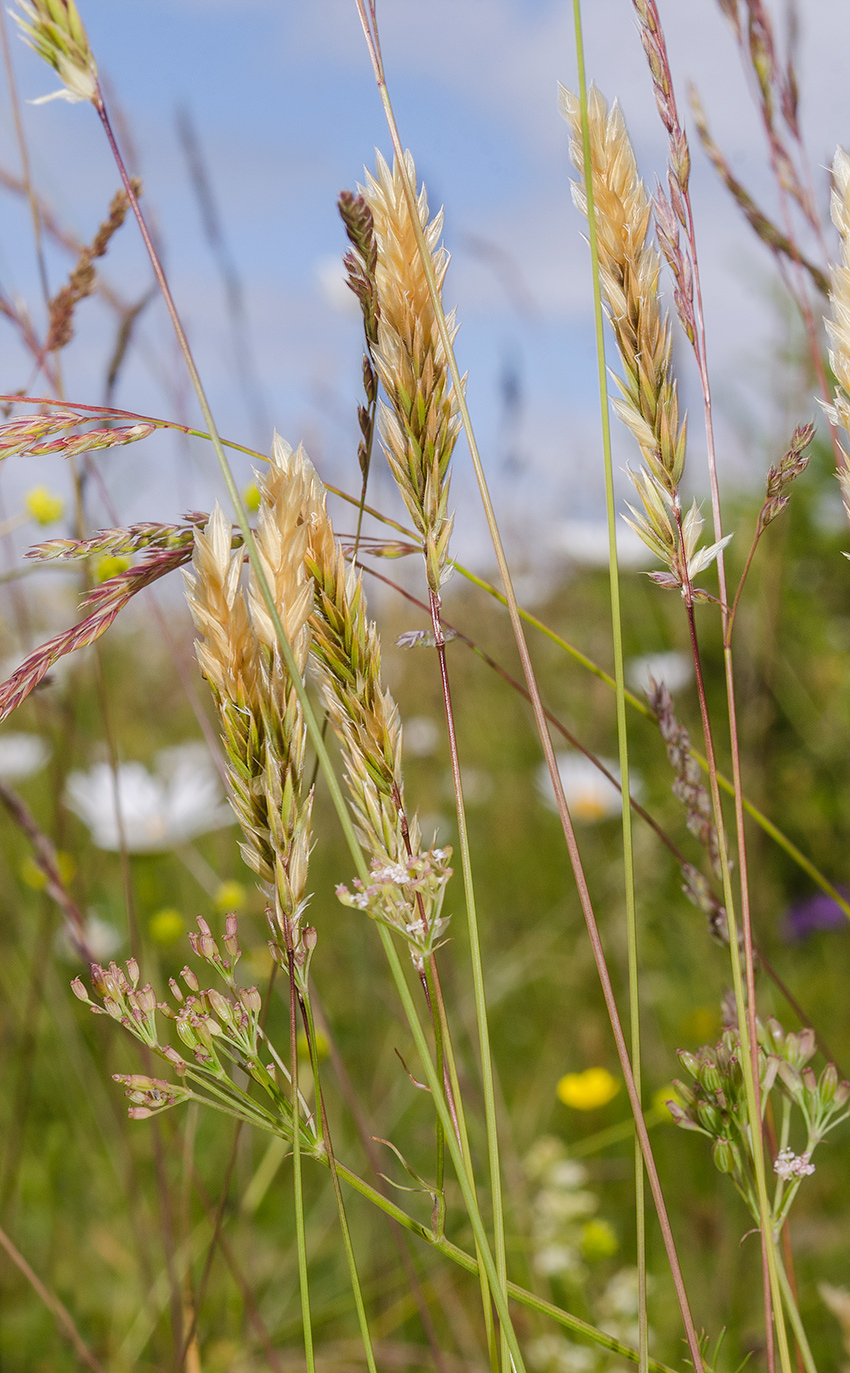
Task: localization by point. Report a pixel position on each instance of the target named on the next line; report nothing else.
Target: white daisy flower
(158, 811)
(589, 793)
(674, 669)
(21, 755)
(586, 542)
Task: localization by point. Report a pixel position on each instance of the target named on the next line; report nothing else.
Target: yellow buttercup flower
(110, 566)
(598, 1240)
(34, 877)
(43, 505)
(166, 926)
(321, 1045)
(660, 1099)
(251, 498)
(588, 1090)
(231, 896)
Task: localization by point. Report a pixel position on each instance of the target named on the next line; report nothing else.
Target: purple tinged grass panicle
(688, 785)
(28, 435)
(629, 267)
(103, 604)
(782, 474)
(121, 542)
(420, 425)
(361, 263)
(770, 234)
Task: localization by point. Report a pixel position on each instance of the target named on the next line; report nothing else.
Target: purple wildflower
(818, 912)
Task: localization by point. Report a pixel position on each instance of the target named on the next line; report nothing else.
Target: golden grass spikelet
(838, 326)
(346, 653)
(629, 267)
(420, 425)
(228, 652)
(288, 493)
(263, 727)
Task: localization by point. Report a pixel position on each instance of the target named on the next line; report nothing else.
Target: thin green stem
(363, 1320)
(770, 829)
(619, 679)
(297, 1181)
(459, 1162)
(454, 1100)
(764, 823)
(795, 1319)
(313, 728)
(748, 1048)
(484, 1048)
(370, 32)
(529, 1300)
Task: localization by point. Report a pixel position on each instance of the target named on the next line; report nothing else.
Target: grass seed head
(420, 425)
(262, 723)
(629, 267)
(54, 29)
(838, 324)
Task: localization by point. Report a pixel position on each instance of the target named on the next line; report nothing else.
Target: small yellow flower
(251, 498)
(32, 874)
(231, 896)
(321, 1045)
(43, 506)
(598, 1240)
(661, 1097)
(110, 566)
(166, 926)
(702, 1024)
(258, 963)
(588, 1090)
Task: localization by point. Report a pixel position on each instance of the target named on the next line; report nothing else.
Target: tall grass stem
(619, 677)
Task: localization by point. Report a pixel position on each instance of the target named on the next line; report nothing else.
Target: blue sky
(286, 113)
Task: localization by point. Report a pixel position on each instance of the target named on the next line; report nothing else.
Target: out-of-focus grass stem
(619, 677)
(477, 969)
(746, 1008)
(363, 1320)
(297, 1179)
(367, 20)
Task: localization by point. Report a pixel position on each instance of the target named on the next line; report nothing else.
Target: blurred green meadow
(102, 1206)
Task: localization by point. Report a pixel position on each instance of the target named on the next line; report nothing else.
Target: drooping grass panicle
(689, 789)
(783, 474)
(123, 542)
(54, 29)
(770, 234)
(103, 604)
(28, 435)
(420, 424)
(361, 264)
(838, 323)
